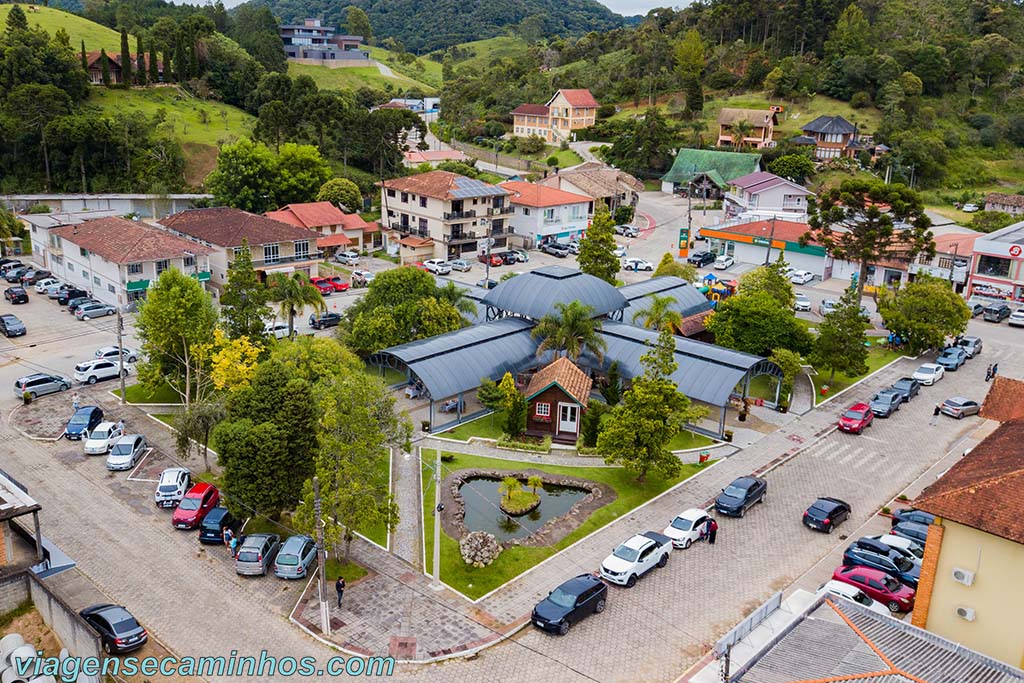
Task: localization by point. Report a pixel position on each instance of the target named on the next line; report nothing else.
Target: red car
(323, 284)
(856, 418)
(879, 586)
(199, 500)
(495, 259)
(339, 284)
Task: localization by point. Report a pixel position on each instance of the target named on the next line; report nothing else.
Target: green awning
(137, 285)
(202, 276)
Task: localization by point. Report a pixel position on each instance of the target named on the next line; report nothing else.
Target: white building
(115, 259)
(764, 192)
(144, 205)
(454, 212)
(542, 214)
(39, 225)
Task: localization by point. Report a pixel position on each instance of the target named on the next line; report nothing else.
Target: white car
(723, 262)
(174, 483)
(969, 208)
(277, 330)
(894, 541)
(349, 258)
(787, 271)
(801, 277)
(365, 274)
(929, 373)
(573, 247)
(92, 371)
(1016, 318)
(620, 252)
(635, 557)
(802, 303)
(687, 527)
(848, 592)
(438, 266)
(112, 352)
(637, 264)
(103, 436)
(127, 452)
(46, 283)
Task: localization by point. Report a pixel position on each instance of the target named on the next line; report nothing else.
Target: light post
(438, 509)
(485, 223)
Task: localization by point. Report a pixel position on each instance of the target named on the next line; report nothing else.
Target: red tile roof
(985, 489)
(120, 240)
(227, 227)
(443, 185)
(1004, 199)
(1005, 400)
(417, 157)
(565, 374)
(531, 110)
(579, 97)
(372, 226)
(530, 194)
(412, 241)
(311, 215)
(337, 240)
(786, 231)
(960, 242)
(695, 323)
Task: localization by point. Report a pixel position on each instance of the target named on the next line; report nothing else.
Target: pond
(481, 496)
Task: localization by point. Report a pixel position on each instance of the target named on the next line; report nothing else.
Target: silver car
(127, 452)
(256, 554)
(39, 384)
(295, 558)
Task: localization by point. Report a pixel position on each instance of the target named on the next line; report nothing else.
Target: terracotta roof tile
(531, 194)
(1005, 199)
(695, 323)
(579, 97)
(985, 489)
(443, 185)
(1005, 400)
(565, 374)
(414, 242)
(786, 231)
(372, 226)
(337, 240)
(227, 227)
(120, 240)
(531, 110)
(311, 215)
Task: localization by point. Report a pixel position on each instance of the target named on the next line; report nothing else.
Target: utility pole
(771, 238)
(438, 508)
(321, 559)
(120, 351)
(487, 263)
(952, 264)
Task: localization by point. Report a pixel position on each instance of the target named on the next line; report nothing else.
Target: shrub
(552, 161)
(515, 445)
(534, 144)
(886, 510)
(902, 497)
(624, 215)
(979, 121)
(721, 80)
(39, 208)
(447, 457)
(606, 111)
(989, 136)
(860, 100)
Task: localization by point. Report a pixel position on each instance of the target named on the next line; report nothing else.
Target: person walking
(995, 370)
(935, 414)
(228, 537)
(120, 426)
(74, 401)
(234, 545)
(339, 586)
(988, 372)
(712, 531)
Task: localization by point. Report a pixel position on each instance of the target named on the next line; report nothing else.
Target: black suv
(868, 552)
(701, 258)
(319, 321)
(66, 295)
(211, 530)
(16, 295)
(912, 515)
(735, 499)
(825, 514)
(73, 304)
(575, 599)
(907, 386)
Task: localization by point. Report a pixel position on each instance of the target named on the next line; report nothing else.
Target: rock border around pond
(553, 531)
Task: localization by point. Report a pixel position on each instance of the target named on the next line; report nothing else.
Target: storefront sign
(684, 241)
(761, 241)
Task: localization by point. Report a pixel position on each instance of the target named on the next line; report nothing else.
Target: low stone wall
(554, 530)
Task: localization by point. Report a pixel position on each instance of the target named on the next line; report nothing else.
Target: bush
(447, 457)
(903, 497)
(494, 129)
(512, 444)
(721, 80)
(624, 215)
(39, 208)
(552, 161)
(860, 100)
(989, 136)
(979, 121)
(534, 144)
(606, 111)
(564, 146)
(886, 510)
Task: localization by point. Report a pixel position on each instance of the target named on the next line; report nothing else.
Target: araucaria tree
(868, 221)
(597, 248)
(244, 302)
(840, 344)
(924, 313)
(651, 413)
(570, 331)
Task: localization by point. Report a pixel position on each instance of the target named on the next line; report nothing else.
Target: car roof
(105, 425)
(840, 587)
(257, 539)
(199, 489)
(579, 583)
(960, 400)
(294, 543)
(108, 610)
(905, 379)
(86, 409)
(913, 526)
(929, 366)
(826, 503)
(861, 406)
(128, 438)
(869, 572)
(636, 542)
(171, 472)
(693, 513)
(9, 316)
(743, 481)
(37, 375)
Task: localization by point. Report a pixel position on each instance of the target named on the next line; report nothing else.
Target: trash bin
(703, 457)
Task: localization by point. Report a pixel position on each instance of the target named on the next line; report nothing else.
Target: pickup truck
(635, 557)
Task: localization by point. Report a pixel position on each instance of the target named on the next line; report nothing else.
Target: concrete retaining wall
(13, 591)
(72, 630)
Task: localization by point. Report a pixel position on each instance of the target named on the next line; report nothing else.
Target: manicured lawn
(763, 386)
(166, 418)
(96, 36)
(475, 582)
(350, 78)
(378, 533)
(686, 440)
(350, 570)
(390, 377)
(566, 157)
(486, 427)
(877, 357)
(136, 393)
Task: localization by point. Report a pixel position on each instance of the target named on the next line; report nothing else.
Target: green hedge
(506, 442)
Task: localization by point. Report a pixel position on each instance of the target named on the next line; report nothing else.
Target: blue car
(952, 358)
(867, 552)
(83, 421)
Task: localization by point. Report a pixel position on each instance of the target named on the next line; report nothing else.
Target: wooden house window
(543, 410)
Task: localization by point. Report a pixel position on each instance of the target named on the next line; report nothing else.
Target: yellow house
(566, 111)
(970, 587)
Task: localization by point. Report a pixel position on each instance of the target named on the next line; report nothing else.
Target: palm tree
(741, 130)
(659, 314)
(293, 293)
(510, 486)
(572, 330)
(456, 296)
(535, 482)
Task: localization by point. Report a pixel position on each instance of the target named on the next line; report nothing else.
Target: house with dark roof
(451, 210)
(831, 136)
(969, 590)
(94, 66)
(768, 194)
(566, 111)
(557, 396)
(275, 246)
(1012, 204)
(311, 40)
(116, 259)
(706, 172)
(760, 124)
(338, 230)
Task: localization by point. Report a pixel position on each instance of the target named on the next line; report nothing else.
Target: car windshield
(682, 524)
(891, 584)
(853, 414)
(626, 553)
(189, 504)
(562, 598)
(902, 384)
(734, 491)
(859, 596)
(79, 419)
(903, 564)
(121, 449)
(287, 560)
(925, 370)
(917, 551)
(100, 434)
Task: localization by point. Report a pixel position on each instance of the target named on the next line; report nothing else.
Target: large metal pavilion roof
(533, 295)
(688, 300)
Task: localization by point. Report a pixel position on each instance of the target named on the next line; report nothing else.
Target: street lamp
(438, 508)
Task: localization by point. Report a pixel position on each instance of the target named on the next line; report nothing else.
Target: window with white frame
(542, 410)
(238, 251)
(189, 261)
(135, 269)
(271, 254)
(302, 249)
(549, 214)
(161, 266)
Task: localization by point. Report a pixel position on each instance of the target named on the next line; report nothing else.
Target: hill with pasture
(96, 37)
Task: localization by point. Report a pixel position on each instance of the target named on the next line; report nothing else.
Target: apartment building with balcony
(759, 125)
(768, 194)
(276, 247)
(568, 110)
(456, 213)
(544, 214)
(116, 259)
(312, 40)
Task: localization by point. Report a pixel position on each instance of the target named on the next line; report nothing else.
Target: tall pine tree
(244, 302)
(154, 72)
(85, 59)
(104, 67)
(126, 61)
(180, 61)
(140, 62)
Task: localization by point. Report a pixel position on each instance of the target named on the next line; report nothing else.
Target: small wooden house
(557, 396)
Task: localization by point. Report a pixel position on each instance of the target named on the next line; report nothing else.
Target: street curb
(861, 380)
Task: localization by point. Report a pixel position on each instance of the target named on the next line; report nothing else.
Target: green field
(474, 582)
(566, 157)
(489, 50)
(136, 393)
(878, 356)
(96, 37)
(424, 70)
(356, 77)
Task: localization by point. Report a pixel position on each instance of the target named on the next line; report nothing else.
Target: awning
(138, 285)
(202, 275)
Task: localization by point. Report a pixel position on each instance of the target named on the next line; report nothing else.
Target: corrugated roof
(534, 294)
(729, 165)
(688, 301)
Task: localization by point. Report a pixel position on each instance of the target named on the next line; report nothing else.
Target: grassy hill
(424, 70)
(96, 37)
(199, 125)
(486, 51)
(355, 77)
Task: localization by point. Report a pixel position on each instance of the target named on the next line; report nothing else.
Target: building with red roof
(337, 228)
(566, 111)
(542, 214)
